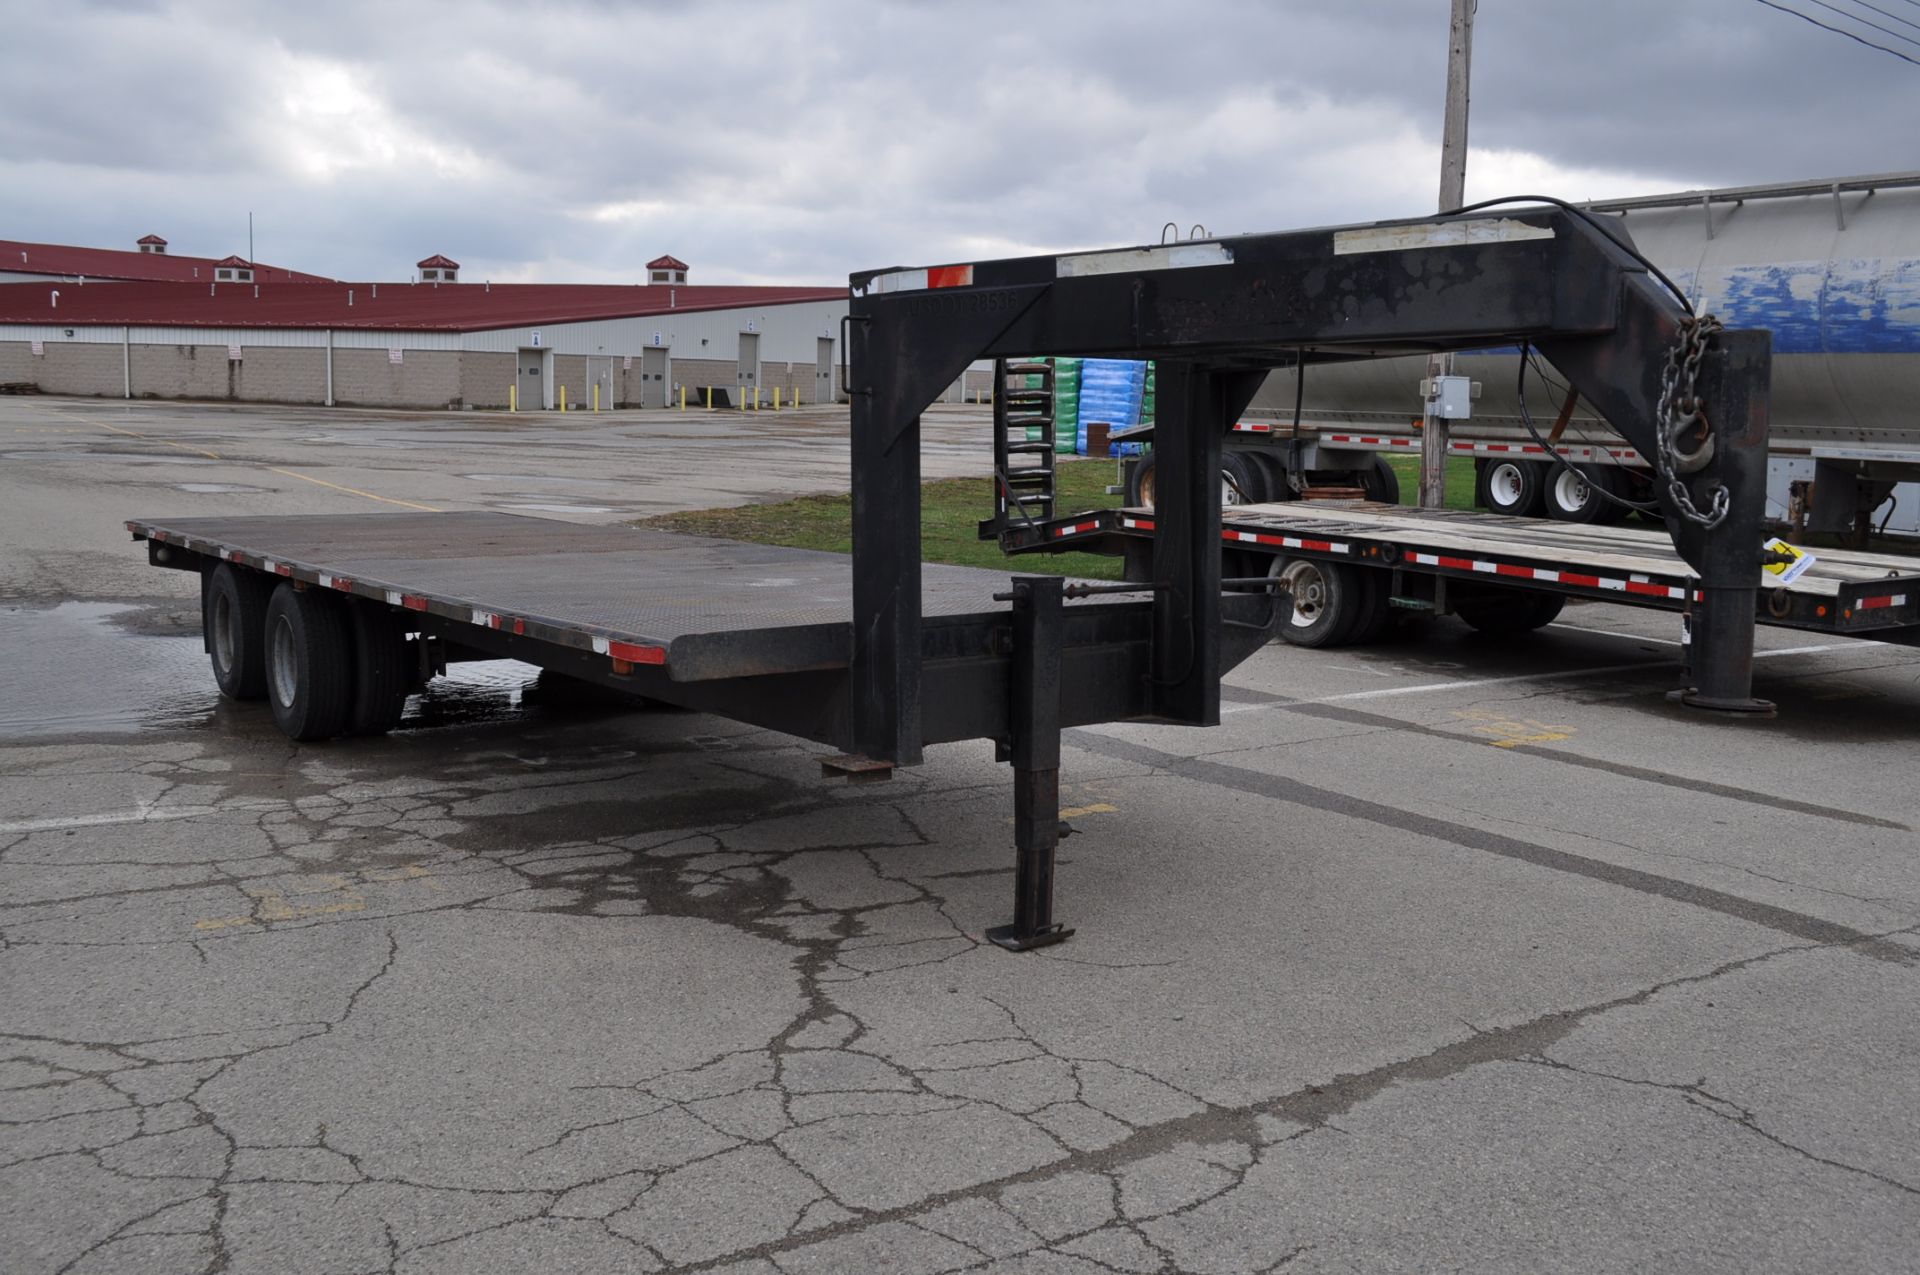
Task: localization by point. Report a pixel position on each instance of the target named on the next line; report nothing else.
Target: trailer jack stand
(1035, 688)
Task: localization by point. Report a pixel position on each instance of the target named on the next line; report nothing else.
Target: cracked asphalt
(1447, 954)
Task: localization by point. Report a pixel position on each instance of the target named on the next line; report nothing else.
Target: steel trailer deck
(1870, 595)
(878, 655)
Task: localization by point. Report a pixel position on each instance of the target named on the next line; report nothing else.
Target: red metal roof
(404, 307)
(666, 263)
(153, 239)
(439, 262)
(114, 263)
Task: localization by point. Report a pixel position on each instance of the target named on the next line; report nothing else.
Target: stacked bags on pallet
(1066, 405)
(1112, 391)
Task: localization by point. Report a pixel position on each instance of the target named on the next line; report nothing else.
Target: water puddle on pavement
(71, 671)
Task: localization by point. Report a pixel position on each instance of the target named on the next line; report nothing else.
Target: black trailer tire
(1516, 488)
(1328, 599)
(1380, 482)
(1580, 494)
(1522, 612)
(1376, 610)
(1140, 484)
(233, 615)
(1242, 481)
(384, 670)
(1274, 470)
(309, 659)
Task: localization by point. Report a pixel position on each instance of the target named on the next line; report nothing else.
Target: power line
(1866, 23)
(1837, 31)
(1883, 13)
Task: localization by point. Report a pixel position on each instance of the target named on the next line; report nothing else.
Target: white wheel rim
(1309, 588)
(1504, 484)
(1570, 492)
(1229, 494)
(280, 662)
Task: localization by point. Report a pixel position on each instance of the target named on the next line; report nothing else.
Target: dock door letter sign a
(536, 339)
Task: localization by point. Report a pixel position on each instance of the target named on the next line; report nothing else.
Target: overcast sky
(795, 142)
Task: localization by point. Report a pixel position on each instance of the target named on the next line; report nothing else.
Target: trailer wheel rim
(1146, 486)
(280, 662)
(1506, 485)
(1309, 588)
(221, 624)
(1230, 493)
(1570, 492)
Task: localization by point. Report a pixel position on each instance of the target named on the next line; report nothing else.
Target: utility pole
(1453, 181)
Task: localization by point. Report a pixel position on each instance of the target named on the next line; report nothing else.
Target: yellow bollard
(596, 396)
(683, 398)
(709, 398)
(563, 398)
(776, 398)
(513, 398)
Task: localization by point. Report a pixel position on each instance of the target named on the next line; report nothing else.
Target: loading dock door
(747, 372)
(823, 371)
(531, 379)
(653, 377)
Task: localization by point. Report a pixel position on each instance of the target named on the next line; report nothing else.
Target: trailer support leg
(1722, 655)
(1035, 688)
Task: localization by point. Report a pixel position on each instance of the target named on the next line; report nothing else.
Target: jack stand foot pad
(856, 769)
(1009, 937)
(1753, 708)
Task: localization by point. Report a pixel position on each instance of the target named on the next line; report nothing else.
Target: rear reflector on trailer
(919, 280)
(629, 652)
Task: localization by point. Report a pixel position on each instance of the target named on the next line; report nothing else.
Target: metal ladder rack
(1023, 474)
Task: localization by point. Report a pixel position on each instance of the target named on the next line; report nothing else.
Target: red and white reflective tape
(1074, 529)
(1883, 601)
(1285, 542)
(276, 568)
(1373, 440)
(1639, 585)
(920, 280)
(1251, 427)
(1137, 524)
(630, 652)
(504, 623)
(336, 582)
(411, 601)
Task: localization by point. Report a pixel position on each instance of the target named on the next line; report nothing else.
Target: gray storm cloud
(795, 142)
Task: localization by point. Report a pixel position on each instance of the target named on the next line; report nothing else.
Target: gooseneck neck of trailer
(1217, 315)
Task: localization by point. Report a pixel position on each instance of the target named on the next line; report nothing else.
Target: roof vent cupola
(439, 269)
(152, 243)
(235, 269)
(666, 270)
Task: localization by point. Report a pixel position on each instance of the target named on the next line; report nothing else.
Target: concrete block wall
(367, 378)
(570, 370)
(277, 374)
(184, 371)
(695, 373)
(485, 377)
(67, 367)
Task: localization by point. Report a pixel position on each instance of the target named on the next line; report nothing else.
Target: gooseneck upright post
(1038, 617)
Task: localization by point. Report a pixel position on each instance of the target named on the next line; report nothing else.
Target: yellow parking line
(305, 478)
(321, 482)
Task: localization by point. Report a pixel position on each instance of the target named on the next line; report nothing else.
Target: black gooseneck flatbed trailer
(331, 619)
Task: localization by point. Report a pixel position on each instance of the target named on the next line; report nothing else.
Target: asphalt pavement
(1444, 954)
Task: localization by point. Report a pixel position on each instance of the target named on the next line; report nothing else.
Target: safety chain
(1681, 413)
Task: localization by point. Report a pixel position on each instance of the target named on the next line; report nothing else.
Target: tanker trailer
(1832, 267)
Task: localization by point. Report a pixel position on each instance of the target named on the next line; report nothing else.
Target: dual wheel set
(325, 663)
(1347, 604)
(1252, 477)
(1574, 493)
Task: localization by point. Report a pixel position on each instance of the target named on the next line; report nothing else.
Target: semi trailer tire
(1328, 601)
(1140, 484)
(1516, 488)
(1522, 612)
(383, 670)
(1380, 482)
(1242, 480)
(309, 659)
(1274, 470)
(1579, 494)
(233, 614)
(1376, 608)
